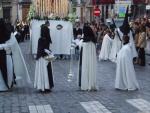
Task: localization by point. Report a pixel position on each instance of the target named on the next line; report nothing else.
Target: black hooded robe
(43, 43)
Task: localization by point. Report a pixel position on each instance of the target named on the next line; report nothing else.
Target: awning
(98, 2)
(139, 1)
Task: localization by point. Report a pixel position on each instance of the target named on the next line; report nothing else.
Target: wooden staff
(51, 6)
(48, 7)
(39, 7)
(36, 5)
(54, 7)
(59, 9)
(43, 7)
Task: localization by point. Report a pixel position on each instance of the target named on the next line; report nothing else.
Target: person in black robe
(3, 64)
(43, 44)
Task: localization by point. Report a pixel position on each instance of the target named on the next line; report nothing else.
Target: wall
(14, 11)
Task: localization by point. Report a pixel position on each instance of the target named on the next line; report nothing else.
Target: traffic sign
(97, 12)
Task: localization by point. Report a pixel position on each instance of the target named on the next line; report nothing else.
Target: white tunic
(125, 73)
(106, 47)
(88, 73)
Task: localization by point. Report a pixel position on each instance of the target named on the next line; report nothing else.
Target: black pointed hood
(125, 28)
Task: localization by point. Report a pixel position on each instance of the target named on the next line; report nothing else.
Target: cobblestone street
(67, 98)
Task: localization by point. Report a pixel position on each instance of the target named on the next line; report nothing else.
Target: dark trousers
(3, 66)
(50, 75)
(142, 56)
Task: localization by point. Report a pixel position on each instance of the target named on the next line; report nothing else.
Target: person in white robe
(125, 73)
(106, 47)
(16, 70)
(116, 45)
(117, 42)
(87, 62)
(43, 70)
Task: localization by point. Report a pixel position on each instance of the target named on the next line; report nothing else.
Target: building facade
(23, 9)
(110, 8)
(8, 10)
(85, 9)
(13, 10)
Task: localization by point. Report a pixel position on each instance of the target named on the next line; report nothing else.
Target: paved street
(67, 98)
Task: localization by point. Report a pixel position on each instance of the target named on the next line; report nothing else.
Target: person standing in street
(43, 70)
(87, 63)
(13, 69)
(125, 73)
(142, 45)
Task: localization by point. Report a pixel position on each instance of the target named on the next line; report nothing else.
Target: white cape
(20, 69)
(88, 68)
(117, 45)
(125, 73)
(106, 47)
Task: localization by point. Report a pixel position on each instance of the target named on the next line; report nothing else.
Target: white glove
(3, 46)
(79, 36)
(47, 51)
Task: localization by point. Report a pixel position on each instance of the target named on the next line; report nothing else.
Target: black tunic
(4, 36)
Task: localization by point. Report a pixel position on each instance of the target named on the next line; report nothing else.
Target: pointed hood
(125, 28)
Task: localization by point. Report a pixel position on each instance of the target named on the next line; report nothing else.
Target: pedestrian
(106, 46)
(142, 45)
(125, 73)
(43, 70)
(136, 28)
(13, 69)
(87, 63)
(77, 32)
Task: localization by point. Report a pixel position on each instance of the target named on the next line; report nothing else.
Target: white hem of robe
(125, 73)
(88, 73)
(106, 47)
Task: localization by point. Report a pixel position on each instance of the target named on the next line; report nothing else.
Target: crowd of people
(22, 31)
(125, 45)
(106, 41)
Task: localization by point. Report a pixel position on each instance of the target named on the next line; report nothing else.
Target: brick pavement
(66, 96)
